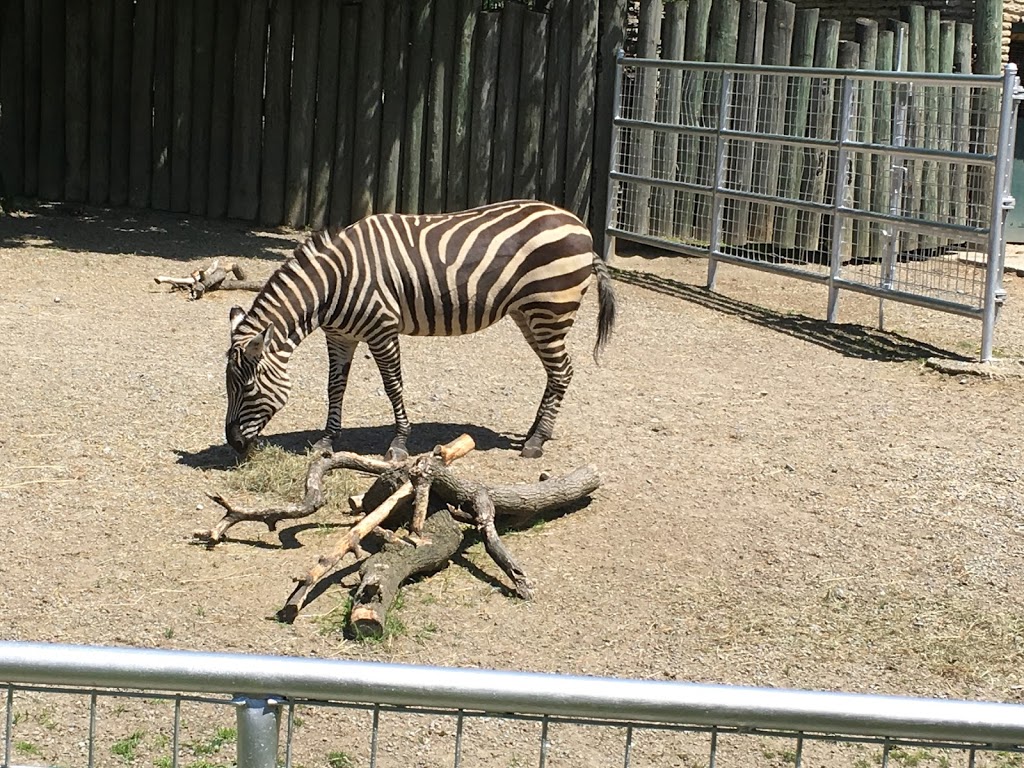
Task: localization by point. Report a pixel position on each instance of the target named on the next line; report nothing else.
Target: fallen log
(229, 277)
(422, 494)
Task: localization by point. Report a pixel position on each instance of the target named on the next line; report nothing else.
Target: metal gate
(885, 183)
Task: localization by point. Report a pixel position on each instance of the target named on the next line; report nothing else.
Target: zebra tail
(605, 304)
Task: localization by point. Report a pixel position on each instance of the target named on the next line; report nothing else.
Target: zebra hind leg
(387, 355)
(546, 337)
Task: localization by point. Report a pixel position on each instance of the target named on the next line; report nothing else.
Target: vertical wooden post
(101, 48)
(344, 128)
(881, 166)
(33, 94)
(780, 17)
(439, 106)
(693, 160)
(867, 39)
(396, 44)
(798, 95)
(221, 110)
(583, 66)
(276, 109)
(914, 16)
(76, 102)
(509, 59)
(326, 112)
(961, 126)
(302, 112)
(420, 34)
(988, 36)
(181, 147)
(461, 107)
(649, 34)
(526, 173)
(163, 105)
(247, 128)
(204, 18)
(141, 168)
(819, 126)
(947, 33)
(673, 48)
(485, 89)
(556, 98)
(12, 96)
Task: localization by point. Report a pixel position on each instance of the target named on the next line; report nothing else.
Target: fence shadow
(88, 229)
(845, 338)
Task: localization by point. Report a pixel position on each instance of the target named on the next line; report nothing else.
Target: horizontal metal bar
(903, 297)
(930, 78)
(801, 142)
(501, 691)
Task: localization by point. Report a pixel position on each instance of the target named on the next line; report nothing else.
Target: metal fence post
(717, 203)
(839, 192)
(259, 721)
(1001, 202)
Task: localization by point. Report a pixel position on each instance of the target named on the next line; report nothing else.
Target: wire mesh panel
(883, 183)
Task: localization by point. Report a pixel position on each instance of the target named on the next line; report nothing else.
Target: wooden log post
(31, 72)
(867, 38)
(914, 17)
(76, 102)
(325, 130)
(556, 100)
(673, 48)
(485, 90)
(526, 173)
(780, 18)
(848, 58)
(582, 94)
(503, 142)
(642, 150)
(961, 123)
(947, 34)
(12, 97)
(798, 96)
(163, 105)
(141, 159)
(277, 103)
(247, 128)
(881, 166)
(202, 106)
(723, 35)
(101, 49)
(181, 146)
(344, 126)
(439, 95)
(457, 192)
(302, 110)
(988, 36)
(368, 113)
(420, 35)
(819, 126)
(396, 44)
(218, 173)
(930, 132)
(746, 88)
(692, 163)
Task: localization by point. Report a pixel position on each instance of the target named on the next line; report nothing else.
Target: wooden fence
(302, 112)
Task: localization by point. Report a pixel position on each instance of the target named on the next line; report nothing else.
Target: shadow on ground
(87, 229)
(364, 440)
(847, 339)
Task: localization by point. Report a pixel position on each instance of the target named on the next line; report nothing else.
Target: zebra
(420, 275)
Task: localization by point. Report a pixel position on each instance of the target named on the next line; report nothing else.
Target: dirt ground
(785, 503)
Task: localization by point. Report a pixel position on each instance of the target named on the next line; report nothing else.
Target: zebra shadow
(372, 441)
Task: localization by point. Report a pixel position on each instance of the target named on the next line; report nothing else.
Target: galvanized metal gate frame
(263, 688)
(991, 233)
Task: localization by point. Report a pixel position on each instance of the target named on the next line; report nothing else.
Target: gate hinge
(1000, 295)
(1009, 203)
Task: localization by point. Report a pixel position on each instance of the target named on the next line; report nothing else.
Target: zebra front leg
(340, 351)
(389, 360)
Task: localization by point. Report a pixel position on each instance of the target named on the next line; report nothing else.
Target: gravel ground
(785, 503)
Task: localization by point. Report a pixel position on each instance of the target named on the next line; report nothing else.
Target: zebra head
(257, 383)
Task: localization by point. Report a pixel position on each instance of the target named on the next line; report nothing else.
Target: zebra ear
(258, 344)
(236, 316)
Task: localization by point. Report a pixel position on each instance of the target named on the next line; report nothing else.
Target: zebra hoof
(532, 451)
(396, 454)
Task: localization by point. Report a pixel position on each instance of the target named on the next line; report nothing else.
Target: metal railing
(528, 717)
(890, 184)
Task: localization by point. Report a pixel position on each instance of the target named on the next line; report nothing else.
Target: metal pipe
(1000, 195)
(259, 722)
(500, 691)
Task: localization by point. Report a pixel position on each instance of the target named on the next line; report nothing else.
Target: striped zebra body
(439, 275)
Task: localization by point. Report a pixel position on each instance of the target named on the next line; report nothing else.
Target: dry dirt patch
(786, 503)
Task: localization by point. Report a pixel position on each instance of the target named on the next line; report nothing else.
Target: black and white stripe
(439, 275)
